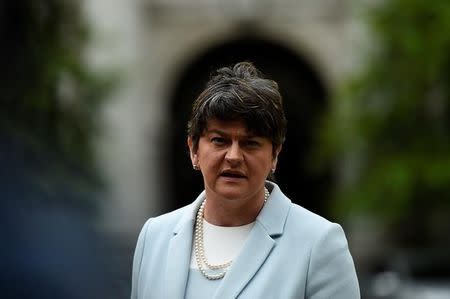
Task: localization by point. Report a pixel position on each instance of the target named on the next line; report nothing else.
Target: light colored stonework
(151, 42)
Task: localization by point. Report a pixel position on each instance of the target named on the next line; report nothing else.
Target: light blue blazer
(289, 253)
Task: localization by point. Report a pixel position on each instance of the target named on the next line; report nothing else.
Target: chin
(230, 194)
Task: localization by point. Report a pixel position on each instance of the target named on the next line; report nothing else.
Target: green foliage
(49, 96)
(391, 124)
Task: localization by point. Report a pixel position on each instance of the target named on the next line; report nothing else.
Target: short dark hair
(240, 92)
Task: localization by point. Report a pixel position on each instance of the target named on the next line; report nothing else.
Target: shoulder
(297, 219)
(302, 218)
(157, 231)
(165, 222)
(314, 230)
(302, 225)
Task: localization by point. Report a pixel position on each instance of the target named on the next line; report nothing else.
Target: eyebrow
(215, 131)
(222, 133)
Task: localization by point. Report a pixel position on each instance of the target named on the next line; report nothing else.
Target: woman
(242, 237)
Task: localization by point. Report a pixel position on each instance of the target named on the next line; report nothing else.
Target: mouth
(233, 174)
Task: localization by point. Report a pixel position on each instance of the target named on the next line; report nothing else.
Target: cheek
(210, 160)
(262, 165)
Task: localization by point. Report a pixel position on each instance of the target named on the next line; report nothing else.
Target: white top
(222, 243)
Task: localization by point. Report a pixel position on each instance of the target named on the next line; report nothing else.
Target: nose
(234, 154)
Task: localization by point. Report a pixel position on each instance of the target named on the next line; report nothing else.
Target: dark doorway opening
(305, 100)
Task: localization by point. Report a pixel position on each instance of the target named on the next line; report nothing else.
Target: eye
(252, 143)
(218, 140)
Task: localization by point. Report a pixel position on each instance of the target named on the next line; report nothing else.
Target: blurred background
(95, 96)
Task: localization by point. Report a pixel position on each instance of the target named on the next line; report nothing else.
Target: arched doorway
(305, 100)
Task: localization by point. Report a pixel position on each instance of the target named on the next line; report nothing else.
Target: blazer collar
(274, 213)
(189, 214)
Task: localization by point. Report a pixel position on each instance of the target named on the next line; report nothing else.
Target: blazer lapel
(258, 246)
(179, 253)
(255, 252)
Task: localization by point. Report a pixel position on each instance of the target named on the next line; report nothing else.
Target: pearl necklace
(210, 271)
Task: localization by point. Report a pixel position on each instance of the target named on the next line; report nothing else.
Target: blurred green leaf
(395, 115)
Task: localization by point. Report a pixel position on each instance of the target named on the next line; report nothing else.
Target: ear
(275, 158)
(193, 155)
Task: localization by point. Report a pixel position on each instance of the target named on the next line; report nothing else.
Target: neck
(226, 212)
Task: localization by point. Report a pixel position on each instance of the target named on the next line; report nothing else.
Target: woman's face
(234, 163)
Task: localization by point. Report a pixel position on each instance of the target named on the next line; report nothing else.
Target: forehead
(233, 127)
